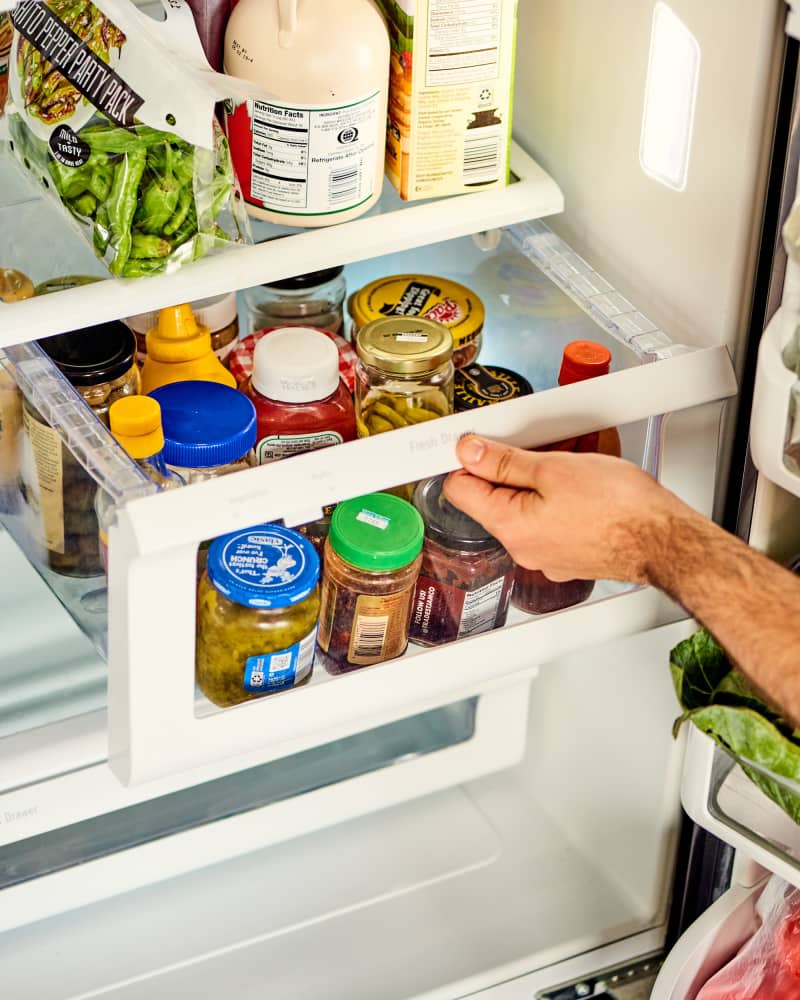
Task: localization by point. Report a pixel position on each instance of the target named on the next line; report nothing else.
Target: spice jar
(257, 612)
(99, 362)
(404, 375)
(372, 558)
(219, 314)
(454, 305)
(313, 299)
(209, 429)
(301, 401)
(466, 577)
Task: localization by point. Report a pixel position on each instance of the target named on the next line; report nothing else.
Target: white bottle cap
(295, 364)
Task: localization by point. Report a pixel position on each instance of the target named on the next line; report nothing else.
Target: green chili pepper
(70, 181)
(183, 166)
(99, 182)
(85, 204)
(144, 246)
(109, 139)
(142, 268)
(160, 199)
(100, 235)
(188, 229)
(122, 204)
(185, 201)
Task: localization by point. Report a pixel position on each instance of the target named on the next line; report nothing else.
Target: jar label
(442, 612)
(282, 669)
(277, 446)
(363, 628)
(42, 473)
(272, 148)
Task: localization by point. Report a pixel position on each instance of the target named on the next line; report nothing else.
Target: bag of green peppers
(113, 113)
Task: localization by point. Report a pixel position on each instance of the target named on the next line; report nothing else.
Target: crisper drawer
(539, 295)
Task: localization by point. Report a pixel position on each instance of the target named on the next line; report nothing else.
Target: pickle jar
(99, 362)
(404, 375)
(257, 613)
(372, 559)
(466, 578)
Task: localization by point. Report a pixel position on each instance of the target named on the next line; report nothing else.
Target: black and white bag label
(67, 147)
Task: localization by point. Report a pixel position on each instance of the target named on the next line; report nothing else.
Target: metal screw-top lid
(448, 525)
(93, 355)
(405, 345)
(302, 282)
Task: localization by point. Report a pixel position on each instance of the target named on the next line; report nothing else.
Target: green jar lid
(378, 532)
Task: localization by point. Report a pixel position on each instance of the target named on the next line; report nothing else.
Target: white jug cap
(295, 364)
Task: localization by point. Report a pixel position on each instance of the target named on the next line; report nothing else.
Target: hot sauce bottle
(533, 591)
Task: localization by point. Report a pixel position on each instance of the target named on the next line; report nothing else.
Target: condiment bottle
(533, 591)
(257, 612)
(301, 401)
(372, 559)
(314, 299)
(449, 303)
(179, 349)
(209, 429)
(219, 313)
(313, 153)
(100, 364)
(136, 424)
(466, 577)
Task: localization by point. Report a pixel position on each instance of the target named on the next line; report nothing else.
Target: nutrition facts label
(463, 41)
(480, 608)
(314, 161)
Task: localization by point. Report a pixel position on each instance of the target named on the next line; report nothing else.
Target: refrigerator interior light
(669, 101)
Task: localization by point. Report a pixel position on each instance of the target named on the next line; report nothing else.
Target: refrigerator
(506, 817)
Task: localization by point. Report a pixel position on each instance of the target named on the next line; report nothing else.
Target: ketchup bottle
(533, 591)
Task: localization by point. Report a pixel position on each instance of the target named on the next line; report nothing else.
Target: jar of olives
(257, 613)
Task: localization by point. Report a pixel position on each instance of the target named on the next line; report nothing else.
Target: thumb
(498, 463)
(489, 505)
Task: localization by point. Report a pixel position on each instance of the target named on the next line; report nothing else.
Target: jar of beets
(372, 559)
(466, 577)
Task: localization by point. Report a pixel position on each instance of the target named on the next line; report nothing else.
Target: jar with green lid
(404, 375)
(372, 560)
(257, 613)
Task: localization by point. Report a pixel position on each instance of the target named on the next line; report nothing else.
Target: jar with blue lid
(209, 429)
(257, 614)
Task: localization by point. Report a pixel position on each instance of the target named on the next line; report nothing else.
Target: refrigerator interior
(563, 854)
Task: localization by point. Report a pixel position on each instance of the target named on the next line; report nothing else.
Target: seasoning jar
(455, 306)
(240, 362)
(372, 559)
(301, 401)
(99, 362)
(257, 612)
(313, 299)
(219, 314)
(466, 577)
(481, 385)
(404, 375)
(209, 429)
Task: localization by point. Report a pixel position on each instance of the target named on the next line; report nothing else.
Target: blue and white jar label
(281, 669)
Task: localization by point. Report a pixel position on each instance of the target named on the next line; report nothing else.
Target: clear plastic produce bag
(113, 113)
(767, 967)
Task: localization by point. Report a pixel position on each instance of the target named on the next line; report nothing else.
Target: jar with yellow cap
(427, 297)
(179, 349)
(136, 423)
(404, 375)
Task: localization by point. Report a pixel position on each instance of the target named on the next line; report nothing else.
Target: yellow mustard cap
(447, 302)
(177, 336)
(136, 423)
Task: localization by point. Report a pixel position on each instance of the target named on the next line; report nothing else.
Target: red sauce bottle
(300, 399)
(533, 591)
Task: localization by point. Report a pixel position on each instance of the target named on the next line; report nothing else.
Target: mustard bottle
(179, 349)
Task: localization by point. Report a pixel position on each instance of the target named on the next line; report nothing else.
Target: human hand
(587, 517)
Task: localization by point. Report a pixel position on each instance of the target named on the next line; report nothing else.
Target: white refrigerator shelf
(44, 245)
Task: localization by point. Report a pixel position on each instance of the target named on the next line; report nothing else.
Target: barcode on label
(343, 185)
(370, 634)
(481, 158)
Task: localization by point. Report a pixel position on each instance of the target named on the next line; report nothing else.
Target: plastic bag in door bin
(768, 965)
(113, 113)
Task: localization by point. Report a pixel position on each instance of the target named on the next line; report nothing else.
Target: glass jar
(455, 306)
(301, 401)
(372, 559)
(466, 577)
(313, 299)
(539, 595)
(257, 613)
(209, 429)
(99, 362)
(218, 313)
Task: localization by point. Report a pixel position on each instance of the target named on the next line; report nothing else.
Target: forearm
(749, 603)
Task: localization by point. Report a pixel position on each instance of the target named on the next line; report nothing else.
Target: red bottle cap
(583, 359)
